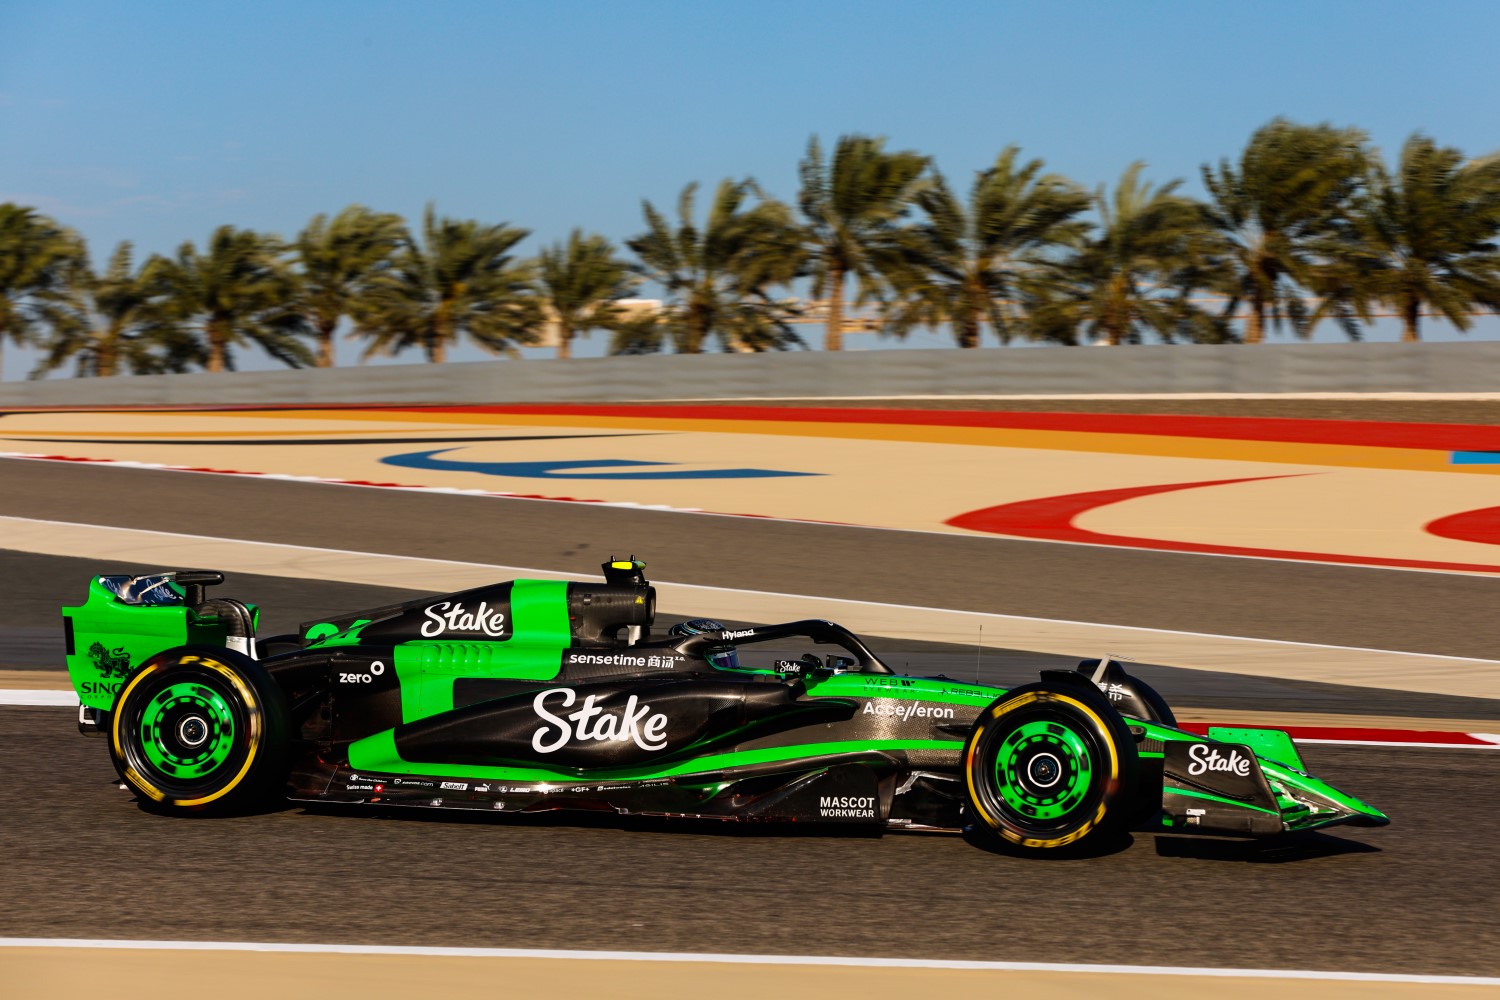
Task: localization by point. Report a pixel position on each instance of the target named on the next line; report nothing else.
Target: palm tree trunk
(833, 335)
(968, 329)
(104, 361)
(1411, 322)
(325, 344)
(215, 332)
(1255, 323)
(437, 350)
(564, 341)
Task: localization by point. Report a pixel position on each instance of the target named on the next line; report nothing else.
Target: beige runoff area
(66, 973)
(1364, 512)
(1373, 668)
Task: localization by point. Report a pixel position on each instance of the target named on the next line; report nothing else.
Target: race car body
(534, 695)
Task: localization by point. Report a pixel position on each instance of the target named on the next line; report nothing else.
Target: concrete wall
(1445, 367)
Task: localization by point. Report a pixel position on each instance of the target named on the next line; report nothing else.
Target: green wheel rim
(1043, 770)
(187, 730)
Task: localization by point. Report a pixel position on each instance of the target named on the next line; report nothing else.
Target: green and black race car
(536, 695)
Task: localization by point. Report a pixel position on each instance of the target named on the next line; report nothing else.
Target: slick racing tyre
(201, 729)
(1049, 765)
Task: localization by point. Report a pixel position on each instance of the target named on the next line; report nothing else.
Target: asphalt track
(1419, 897)
(1445, 613)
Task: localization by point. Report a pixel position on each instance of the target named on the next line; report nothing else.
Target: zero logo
(375, 670)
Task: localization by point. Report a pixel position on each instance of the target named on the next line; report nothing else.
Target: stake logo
(636, 722)
(1205, 758)
(451, 616)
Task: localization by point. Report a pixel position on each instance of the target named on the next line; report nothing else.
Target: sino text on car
(535, 695)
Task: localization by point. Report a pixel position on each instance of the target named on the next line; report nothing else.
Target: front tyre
(1049, 765)
(201, 728)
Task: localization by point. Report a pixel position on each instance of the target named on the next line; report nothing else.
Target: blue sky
(156, 122)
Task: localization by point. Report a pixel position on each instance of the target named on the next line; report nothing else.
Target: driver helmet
(724, 657)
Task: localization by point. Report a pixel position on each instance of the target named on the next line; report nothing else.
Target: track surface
(1386, 609)
(1418, 897)
(83, 861)
(33, 587)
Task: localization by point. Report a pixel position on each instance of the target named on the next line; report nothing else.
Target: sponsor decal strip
(722, 958)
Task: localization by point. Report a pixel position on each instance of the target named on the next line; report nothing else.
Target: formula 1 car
(535, 695)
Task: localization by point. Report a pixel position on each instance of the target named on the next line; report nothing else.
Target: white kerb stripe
(1389, 669)
(735, 959)
(21, 696)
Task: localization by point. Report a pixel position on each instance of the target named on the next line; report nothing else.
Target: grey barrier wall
(1264, 368)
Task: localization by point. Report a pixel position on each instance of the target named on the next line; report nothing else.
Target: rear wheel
(1049, 765)
(201, 729)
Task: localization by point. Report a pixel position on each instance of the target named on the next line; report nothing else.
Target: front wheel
(201, 728)
(1048, 765)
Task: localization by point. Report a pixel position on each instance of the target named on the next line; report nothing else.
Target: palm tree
(719, 277)
(40, 261)
(641, 333)
(238, 290)
(119, 326)
(340, 259)
(963, 262)
(1292, 184)
(461, 280)
(1423, 239)
(578, 282)
(1134, 275)
(854, 206)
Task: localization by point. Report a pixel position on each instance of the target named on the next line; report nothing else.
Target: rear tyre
(201, 729)
(1050, 765)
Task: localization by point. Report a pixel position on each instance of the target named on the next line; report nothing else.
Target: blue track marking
(558, 470)
(1475, 458)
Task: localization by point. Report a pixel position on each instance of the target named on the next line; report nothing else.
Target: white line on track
(1360, 667)
(547, 574)
(976, 536)
(742, 959)
(26, 698)
(1380, 396)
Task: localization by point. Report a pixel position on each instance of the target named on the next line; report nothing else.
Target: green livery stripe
(539, 611)
(911, 689)
(378, 753)
(428, 668)
(1193, 793)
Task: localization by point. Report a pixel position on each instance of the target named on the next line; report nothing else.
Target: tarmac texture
(1417, 897)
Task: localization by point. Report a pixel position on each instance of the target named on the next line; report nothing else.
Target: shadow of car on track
(1089, 849)
(593, 820)
(1286, 848)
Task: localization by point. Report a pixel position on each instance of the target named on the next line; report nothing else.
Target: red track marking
(1482, 526)
(1361, 735)
(1365, 433)
(1051, 519)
